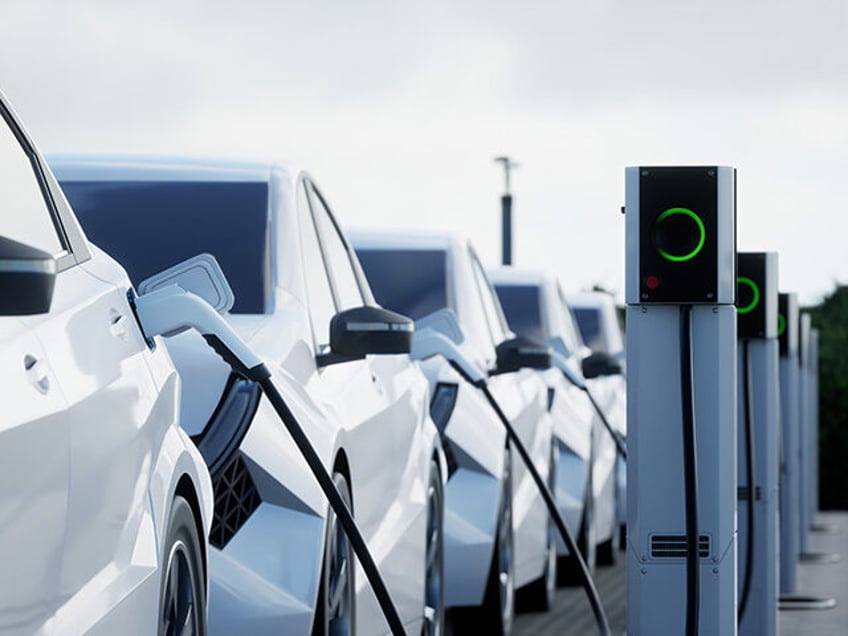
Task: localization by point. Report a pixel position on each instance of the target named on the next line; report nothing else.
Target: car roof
(508, 275)
(404, 239)
(594, 299)
(103, 167)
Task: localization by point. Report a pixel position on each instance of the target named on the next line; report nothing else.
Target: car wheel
(538, 595)
(335, 609)
(434, 596)
(182, 602)
(495, 616)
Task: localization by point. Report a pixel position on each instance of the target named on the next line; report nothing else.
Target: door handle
(36, 373)
(118, 326)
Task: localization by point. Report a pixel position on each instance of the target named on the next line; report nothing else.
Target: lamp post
(506, 211)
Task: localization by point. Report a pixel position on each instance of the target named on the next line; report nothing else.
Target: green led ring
(781, 324)
(701, 229)
(743, 280)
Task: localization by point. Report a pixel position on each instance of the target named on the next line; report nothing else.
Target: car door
(34, 426)
(115, 418)
(380, 426)
(96, 351)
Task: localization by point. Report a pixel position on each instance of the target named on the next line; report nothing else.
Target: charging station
(681, 400)
(805, 426)
(814, 426)
(758, 442)
(787, 329)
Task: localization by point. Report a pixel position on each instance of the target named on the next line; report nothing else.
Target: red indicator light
(652, 282)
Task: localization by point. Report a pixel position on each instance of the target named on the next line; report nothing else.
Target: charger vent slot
(673, 546)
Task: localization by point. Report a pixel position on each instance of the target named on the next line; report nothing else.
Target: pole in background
(506, 211)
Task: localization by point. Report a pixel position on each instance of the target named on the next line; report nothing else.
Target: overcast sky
(398, 108)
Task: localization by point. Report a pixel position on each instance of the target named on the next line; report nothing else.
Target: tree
(831, 319)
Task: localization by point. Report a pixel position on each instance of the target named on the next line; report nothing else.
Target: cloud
(398, 108)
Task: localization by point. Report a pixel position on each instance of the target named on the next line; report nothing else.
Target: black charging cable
(749, 475)
(262, 376)
(690, 470)
(547, 496)
(336, 502)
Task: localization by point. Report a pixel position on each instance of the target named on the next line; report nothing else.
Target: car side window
(320, 296)
(26, 216)
(348, 294)
(572, 331)
(490, 307)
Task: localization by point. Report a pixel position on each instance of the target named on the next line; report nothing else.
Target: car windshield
(521, 304)
(589, 321)
(150, 226)
(410, 282)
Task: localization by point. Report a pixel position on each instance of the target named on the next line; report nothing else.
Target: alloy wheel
(179, 612)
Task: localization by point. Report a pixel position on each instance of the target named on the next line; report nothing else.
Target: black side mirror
(520, 352)
(600, 363)
(27, 276)
(357, 332)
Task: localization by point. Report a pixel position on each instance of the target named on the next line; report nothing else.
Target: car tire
(335, 610)
(182, 592)
(606, 553)
(496, 614)
(434, 570)
(538, 595)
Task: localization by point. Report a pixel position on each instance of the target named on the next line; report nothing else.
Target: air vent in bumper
(236, 498)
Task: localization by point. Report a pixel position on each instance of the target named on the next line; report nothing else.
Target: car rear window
(410, 282)
(150, 226)
(521, 304)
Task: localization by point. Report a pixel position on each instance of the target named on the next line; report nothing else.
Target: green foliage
(831, 319)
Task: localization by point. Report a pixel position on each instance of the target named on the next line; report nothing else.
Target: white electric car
(279, 562)
(497, 532)
(597, 319)
(105, 504)
(534, 307)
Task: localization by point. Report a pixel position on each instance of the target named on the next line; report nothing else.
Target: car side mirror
(520, 353)
(27, 276)
(600, 363)
(361, 331)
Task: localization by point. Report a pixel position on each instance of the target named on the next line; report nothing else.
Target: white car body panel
(369, 414)
(477, 437)
(91, 453)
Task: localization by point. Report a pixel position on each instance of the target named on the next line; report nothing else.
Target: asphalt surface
(572, 614)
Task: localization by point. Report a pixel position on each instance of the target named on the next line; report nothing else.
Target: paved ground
(572, 615)
(829, 580)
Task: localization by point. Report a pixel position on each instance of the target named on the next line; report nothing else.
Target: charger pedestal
(656, 530)
(759, 357)
(790, 441)
(805, 429)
